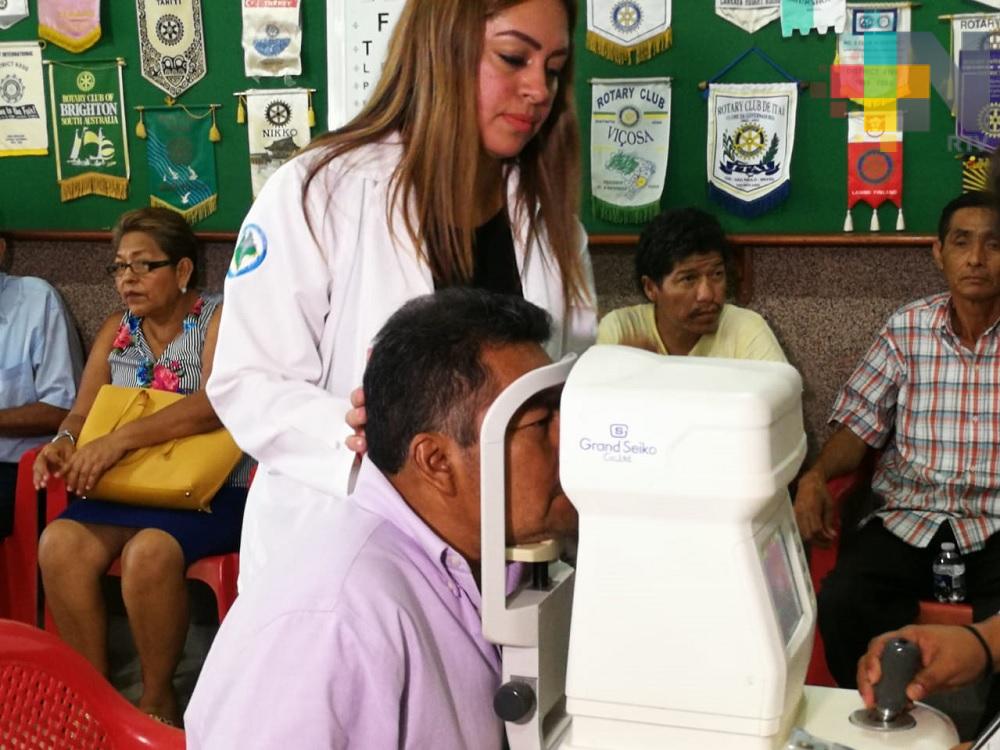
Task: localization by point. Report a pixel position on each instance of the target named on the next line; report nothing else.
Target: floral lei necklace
(165, 377)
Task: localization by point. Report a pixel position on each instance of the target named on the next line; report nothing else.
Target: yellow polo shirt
(742, 333)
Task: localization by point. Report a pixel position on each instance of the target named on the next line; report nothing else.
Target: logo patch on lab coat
(251, 249)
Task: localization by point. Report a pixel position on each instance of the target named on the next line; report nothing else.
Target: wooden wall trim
(863, 239)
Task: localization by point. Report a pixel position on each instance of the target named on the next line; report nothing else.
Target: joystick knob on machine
(900, 662)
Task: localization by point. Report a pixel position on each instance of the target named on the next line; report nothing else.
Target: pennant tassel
(623, 54)
(213, 133)
(140, 127)
(624, 214)
(754, 208)
(107, 185)
(900, 222)
(194, 214)
(312, 112)
(848, 222)
(875, 226)
(241, 113)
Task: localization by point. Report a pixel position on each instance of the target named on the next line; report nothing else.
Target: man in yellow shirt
(681, 264)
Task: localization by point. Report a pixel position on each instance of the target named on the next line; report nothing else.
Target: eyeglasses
(137, 267)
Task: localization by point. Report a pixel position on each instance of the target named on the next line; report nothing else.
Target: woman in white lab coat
(462, 169)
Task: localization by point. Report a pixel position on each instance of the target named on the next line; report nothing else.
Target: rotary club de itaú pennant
(272, 38)
(874, 166)
(805, 15)
(751, 136)
(12, 11)
(629, 146)
(621, 30)
(74, 25)
(23, 129)
(171, 43)
(181, 158)
(88, 117)
(278, 122)
(749, 15)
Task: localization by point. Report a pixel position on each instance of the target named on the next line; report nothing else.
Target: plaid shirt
(943, 401)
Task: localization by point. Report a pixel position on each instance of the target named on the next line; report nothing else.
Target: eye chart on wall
(357, 34)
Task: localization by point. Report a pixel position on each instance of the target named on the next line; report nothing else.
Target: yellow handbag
(184, 473)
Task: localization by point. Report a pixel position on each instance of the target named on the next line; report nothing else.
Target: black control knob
(900, 663)
(514, 701)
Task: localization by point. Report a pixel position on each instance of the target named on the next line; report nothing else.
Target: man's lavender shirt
(367, 636)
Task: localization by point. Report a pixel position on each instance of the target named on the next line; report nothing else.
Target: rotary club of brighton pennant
(751, 135)
(805, 15)
(621, 30)
(181, 158)
(629, 146)
(23, 127)
(12, 11)
(88, 116)
(868, 61)
(749, 15)
(278, 122)
(74, 25)
(171, 43)
(874, 166)
(977, 120)
(357, 37)
(272, 38)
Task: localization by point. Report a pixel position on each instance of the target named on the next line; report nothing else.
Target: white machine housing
(679, 468)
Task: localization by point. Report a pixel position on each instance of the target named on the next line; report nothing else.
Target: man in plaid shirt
(927, 394)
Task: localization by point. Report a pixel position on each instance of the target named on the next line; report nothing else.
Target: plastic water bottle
(949, 575)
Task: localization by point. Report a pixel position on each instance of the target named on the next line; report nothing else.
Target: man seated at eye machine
(926, 395)
(682, 265)
(693, 612)
(368, 633)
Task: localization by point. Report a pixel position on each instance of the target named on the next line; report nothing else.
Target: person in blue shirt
(40, 363)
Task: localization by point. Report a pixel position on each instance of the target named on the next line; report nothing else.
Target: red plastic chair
(51, 697)
(822, 560)
(19, 553)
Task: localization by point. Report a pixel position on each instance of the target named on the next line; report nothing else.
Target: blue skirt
(200, 534)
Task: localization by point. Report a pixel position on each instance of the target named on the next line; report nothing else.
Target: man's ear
(650, 288)
(936, 252)
(432, 456)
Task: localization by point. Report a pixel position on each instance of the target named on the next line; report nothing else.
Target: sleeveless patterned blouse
(178, 368)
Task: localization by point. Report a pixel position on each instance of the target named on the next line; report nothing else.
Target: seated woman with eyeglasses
(165, 340)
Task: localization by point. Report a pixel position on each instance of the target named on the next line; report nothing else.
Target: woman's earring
(184, 290)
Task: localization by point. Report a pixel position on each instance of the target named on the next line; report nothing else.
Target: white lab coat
(297, 328)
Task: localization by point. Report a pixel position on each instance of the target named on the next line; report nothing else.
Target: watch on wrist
(64, 434)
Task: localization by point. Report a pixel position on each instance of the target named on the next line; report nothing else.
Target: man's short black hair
(973, 199)
(425, 372)
(672, 237)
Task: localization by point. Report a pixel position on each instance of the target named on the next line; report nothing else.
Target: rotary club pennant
(272, 38)
(181, 158)
(975, 173)
(88, 116)
(751, 136)
(629, 146)
(874, 167)
(23, 127)
(171, 43)
(749, 15)
(621, 30)
(805, 15)
(12, 11)
(868, 61)
(278, 123)
(977, 120)
(74, 25)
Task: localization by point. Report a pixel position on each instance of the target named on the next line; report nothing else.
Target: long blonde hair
(428, 94)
